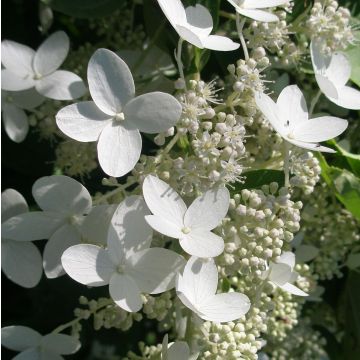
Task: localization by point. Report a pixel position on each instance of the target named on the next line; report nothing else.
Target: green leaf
(257, 178)
(85, 8)
(352, 159)
(353, 55)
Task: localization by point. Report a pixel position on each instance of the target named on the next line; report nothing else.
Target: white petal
(31, 354)
(83, 121)
(292, 289)
(51, 53)
(287, 258)
(129, 233)
(311, 146)
(258, 15)
(164, 201)
(153, 112)
(164, 226)
(17, 58)
(12, 82)
(178, 351)
(339, 69)
(88, 264)
(27, 99)
(125, 292)
(219, 43)
(110, 81)
(154, 270)
(19, 338)
(36, 225)
(62, 239)
(320, 129)
(61, 343)
(199, 280)
(292, 106)
(305, 253)
(96, 224)
(271, 112)
(200, 19)
(256, 4)
(119, 149)
(225, 307)
(174, 11)
(207, 211)
(21, 262)
(326, 86)
(320, 61)
(187, 33)
(61, 85)
(280, 273)
(348, 98)
(61, 194)
(12, 203)
(16, 123)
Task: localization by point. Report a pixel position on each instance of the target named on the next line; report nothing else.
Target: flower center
(37, 76)
(291, 135)
(120, 269)
(119, 117)
(185, 230)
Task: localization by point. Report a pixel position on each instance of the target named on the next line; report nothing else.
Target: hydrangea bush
(181, 180)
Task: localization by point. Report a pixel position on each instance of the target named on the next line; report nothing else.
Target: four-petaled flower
(21, 261)
(116, 117)
(250, 8)
(194, 24)
(332, 73)
(35, 346)
(197, 286)
(193, 225)
(289, 117)
(128, 265)
(25, 68)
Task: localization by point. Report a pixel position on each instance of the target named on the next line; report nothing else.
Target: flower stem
(239, 27)
(120, 188)
(171, 144)
(286, 163)
(314, 102)
(179, 61)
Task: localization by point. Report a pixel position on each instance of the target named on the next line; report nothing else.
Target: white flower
(15, 120)
(178, 350)
(128, 265)
(250, 8)
(20, 261)
(282, 274)
(191, 226)
(116, 116)
(64, 201)
(194, 24)
(289, 117)
(35, 346)
(196, 288)
(25, 68)
(332, 73)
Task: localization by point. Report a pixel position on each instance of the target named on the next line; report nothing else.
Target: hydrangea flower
(332, 73)
(116, 117)
(26, 69)
(282, 274)
(13, 104)
(64, 202)
(178, 350)
(21, 261)
(35, 346)
(191, 226)
(250, 8)
(197, 286)
(290, 119)
(194, 24)
(129, 266)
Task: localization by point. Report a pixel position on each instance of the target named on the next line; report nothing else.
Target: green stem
(120, 188)
(314, 102)
(171, 144)
(286, 163)
(239, 27)
(179, 61)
